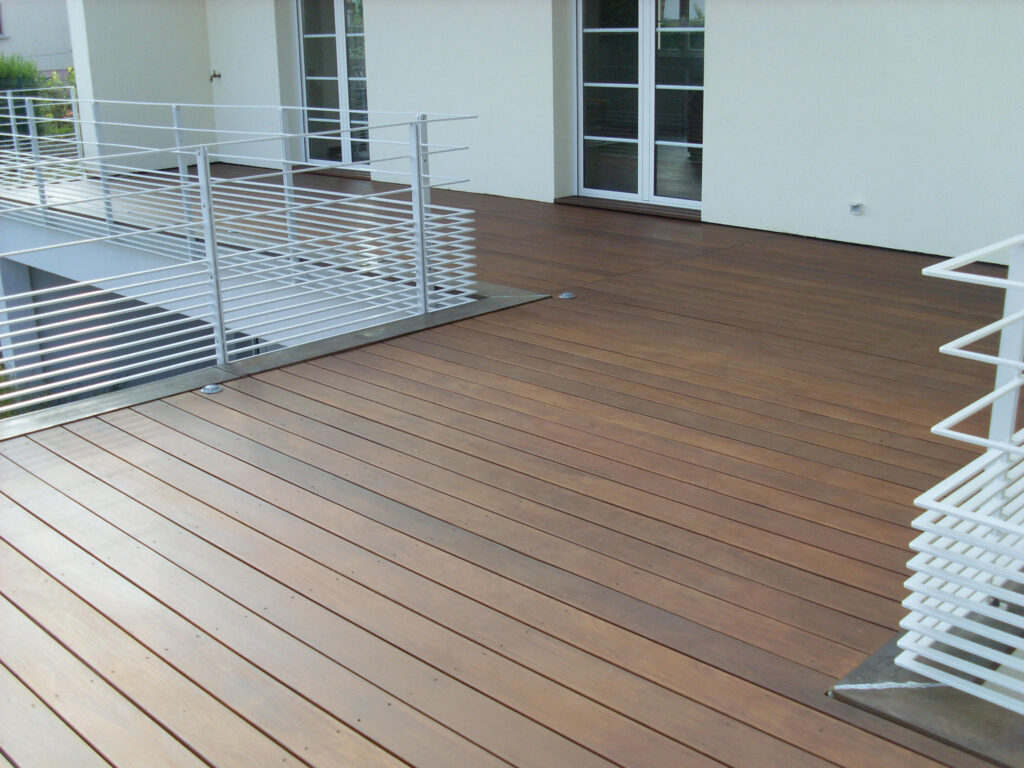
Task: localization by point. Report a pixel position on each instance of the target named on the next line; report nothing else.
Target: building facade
(37, 30)
(889, 124)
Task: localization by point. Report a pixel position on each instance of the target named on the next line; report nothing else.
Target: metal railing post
(288, 182)
(12, 117)
(184, 178)
(421, 120)
(419, 212)
(33, 134)
(1003, 416)
(213, 269)
(108, 203)
(75, 121)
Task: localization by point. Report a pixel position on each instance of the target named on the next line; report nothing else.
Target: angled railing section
(167, 238)
(966, 622)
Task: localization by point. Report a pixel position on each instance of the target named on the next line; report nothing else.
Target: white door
(641, 97)
(334, 79)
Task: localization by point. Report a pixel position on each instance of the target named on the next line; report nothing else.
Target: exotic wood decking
(646, 527)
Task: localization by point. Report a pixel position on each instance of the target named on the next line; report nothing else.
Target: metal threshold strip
(488, 298)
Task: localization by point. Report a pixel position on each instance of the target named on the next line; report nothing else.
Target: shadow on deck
(649, 526)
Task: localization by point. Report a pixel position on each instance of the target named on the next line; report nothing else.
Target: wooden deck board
(647, 527)
(33, 734)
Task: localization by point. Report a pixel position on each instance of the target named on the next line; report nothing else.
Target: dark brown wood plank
(654, 660)
(293, 720)
(741, 388)
(607, 684)
(741, 426)
(322, 387)
(208, 728)
(878, 529)
(411, 480)
(118, 730)
(366, 651)
(377, 384)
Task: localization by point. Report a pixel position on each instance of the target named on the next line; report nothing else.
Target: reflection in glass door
(642, 100)
(331, 32)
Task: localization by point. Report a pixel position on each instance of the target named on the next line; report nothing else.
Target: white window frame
(341, 51)
(646, 90)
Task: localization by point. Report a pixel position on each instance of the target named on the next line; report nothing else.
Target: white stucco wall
(913, 108)
(159, 54)
(242, 43)
(37, 30)
(491, 59)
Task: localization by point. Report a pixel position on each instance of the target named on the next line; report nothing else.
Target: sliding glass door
(641, 96)
(334, 78)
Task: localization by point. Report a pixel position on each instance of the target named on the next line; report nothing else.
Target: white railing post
(12, 117)
(213, 269)
(1003, 418)
(419, 211)
(33, 134)
(75, 121)
(421, 119)
(108, 203)
(288, 181)
(184, 179)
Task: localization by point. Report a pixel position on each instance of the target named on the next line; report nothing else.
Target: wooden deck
(646, 527)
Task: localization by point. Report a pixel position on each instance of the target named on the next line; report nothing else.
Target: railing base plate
(946, 714)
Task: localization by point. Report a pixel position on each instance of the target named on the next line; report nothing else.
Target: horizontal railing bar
(20, 380)
(185, 319)
(106, 383)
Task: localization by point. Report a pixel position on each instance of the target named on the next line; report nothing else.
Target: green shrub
(18, 72)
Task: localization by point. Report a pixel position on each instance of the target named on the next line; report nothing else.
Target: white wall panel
(912, 108)
(491, 59)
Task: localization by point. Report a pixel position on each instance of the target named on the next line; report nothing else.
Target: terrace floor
(646, 527)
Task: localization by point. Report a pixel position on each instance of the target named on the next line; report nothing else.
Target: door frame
(341, 51)
(646, 91)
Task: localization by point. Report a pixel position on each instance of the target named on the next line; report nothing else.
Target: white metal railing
(167, 264)
(966, 622)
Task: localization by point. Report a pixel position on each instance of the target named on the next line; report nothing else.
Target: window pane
(322, 93)
(609, 13)
(679, 116)
(678, 61)
(677, 172)
(354, 15)
(321, 55)
(610, 112)
(318, 17)
(357, 95)
(680, 13)
(610, 165)
(355, 48)
(360, 149)
(325, 149)
(610, 57)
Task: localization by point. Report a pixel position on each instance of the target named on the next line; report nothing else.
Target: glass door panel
(642, 99)
(609, 13)
(331, 32)
(355, 59)
(610, 96)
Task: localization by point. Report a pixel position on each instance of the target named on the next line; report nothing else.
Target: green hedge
(18, 72)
